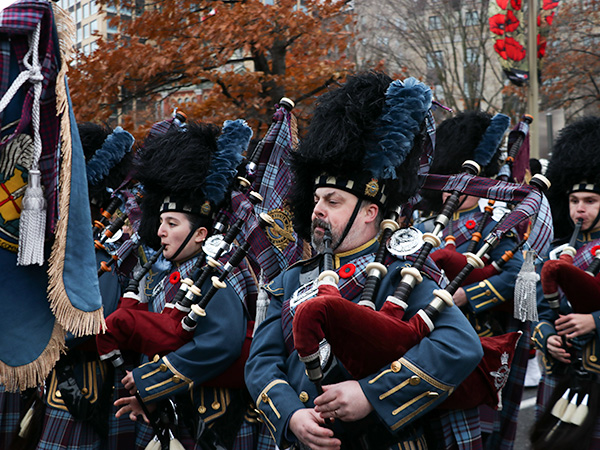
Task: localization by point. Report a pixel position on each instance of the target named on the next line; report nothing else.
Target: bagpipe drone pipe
(371, 339)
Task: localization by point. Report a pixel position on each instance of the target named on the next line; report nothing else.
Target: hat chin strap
(183, 244)
(350, 223)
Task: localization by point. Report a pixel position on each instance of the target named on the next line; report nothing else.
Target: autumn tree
(571, 73)
(447, 43)
(244, 55)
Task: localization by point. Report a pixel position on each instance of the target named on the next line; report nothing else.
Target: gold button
(478, 327)
(163, 368)
(175, 379)
(396, 366)
(481, 284)
(488, 292)
(84, 391)
(432, 394)
(264, 397)
(202, 409)
(414, 380)
(156, 358)
(303, 397)
(215, 405)
(58, 394)
(593, 358)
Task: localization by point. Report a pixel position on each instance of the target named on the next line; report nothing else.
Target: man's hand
(307, 426)
(132, 406)
(460, 298)
(556, 349)
(573, 325)
(345, 401)
(129, 383)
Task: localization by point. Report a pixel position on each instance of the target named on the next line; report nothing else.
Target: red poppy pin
(347, 270)
(175, 277)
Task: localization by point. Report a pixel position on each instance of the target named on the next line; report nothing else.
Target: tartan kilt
(453, 430)
(61, 430)
(11, 408)
(502, 424)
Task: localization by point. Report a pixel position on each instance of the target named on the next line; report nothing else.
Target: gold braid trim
(34, 373)
(78, 322)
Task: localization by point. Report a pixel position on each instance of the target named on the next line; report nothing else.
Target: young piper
(181, 198)
(354, 166)
(567, 333)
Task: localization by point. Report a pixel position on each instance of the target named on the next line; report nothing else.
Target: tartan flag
(276, 248)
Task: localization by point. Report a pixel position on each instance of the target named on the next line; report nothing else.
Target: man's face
(174, 228)
(584, 205)
(333, 209)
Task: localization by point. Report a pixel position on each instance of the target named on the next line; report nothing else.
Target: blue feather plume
(406, 106)
(491, 139)
(234, 140)
(108, 156)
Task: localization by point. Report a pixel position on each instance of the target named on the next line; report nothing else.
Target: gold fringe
(33, 374)
(78, 322)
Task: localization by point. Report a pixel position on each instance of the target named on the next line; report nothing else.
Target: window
(86, 31)
(93, 7)
(435, 23)
(111, 28)
(86, 10)
(435, 59)
(93, 46)
(93, 26)
(471, 18)
(78, 14)
(79, 35)
(86, 50)
(471, 55)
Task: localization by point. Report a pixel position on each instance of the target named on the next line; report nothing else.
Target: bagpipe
(364, 340)
(580, 287)
(571, 412)
(451, 261)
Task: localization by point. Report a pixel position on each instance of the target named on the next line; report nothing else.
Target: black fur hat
(574, 167)
(458, 139)
(188, 170)
(473, 135)
(108, 159)
(365, 138)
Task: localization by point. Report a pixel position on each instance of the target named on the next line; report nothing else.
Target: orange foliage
(243, 55)
(570, 73)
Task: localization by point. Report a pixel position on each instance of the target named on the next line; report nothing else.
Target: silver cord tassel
(525, 290)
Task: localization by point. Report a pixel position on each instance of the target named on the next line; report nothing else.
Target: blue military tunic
(216, 344)
(400, 392)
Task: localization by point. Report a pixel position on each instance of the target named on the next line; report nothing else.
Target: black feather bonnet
(366, 138)
(108, 159)
(188, 170)
(574, 167)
